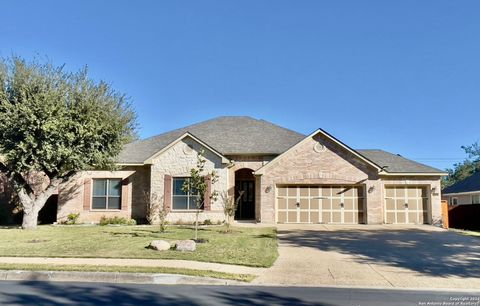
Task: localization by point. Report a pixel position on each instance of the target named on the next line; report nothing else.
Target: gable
(319, 156)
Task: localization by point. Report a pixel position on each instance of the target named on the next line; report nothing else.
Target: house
(287, 177)
(464, 192)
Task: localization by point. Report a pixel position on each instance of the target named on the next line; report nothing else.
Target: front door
(246, 205)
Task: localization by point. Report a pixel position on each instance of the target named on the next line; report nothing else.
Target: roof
(242, 135)
(471, 183)
(229, 135)
(395, 163)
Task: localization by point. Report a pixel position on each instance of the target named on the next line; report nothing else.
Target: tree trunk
(30, 219)
(32, 204)
(196, 224)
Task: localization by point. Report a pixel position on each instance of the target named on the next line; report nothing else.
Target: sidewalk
(186, 264)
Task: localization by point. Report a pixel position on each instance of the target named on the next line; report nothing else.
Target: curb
(113, 277)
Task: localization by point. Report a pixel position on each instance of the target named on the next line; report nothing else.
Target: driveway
(375, 256)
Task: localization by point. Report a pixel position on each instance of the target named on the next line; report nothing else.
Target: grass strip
(128, 269)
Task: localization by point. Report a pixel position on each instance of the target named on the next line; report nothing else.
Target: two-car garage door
(320, 204)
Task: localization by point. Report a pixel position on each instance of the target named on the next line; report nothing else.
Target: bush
(207, 222)
(72, 218)
(116, 220)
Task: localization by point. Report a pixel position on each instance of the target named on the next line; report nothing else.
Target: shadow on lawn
(56, 294)
(428, 252)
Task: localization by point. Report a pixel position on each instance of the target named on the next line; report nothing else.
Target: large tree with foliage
(461, 171)
(54, 124)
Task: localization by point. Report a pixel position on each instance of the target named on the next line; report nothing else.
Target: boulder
(186, 245)
(160, 245)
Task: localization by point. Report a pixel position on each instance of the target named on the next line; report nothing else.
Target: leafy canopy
(59, 122)
(466, 168)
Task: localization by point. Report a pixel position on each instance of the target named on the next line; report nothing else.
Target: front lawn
(255, 247)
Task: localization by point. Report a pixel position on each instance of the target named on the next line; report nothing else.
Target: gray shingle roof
(229, 135)
(396, 163)
(237, 135)
(471, 183)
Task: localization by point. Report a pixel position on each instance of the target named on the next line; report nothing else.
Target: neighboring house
(464, 192)
(287, 177)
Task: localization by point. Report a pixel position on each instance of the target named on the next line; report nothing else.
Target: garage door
(406, 204)
(320, 204)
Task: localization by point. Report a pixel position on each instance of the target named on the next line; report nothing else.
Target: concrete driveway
(375, 256)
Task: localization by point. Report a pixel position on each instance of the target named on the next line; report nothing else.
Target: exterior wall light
(371, 189)
(268, 189)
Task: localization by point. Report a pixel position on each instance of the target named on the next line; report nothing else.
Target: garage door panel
(304, 204)
(349, 204)
(304, 217)
(282, 216)
(326, 217)
(326, 204)
(314, 204)
(314, 216)
(348, 217)
(400, 204)
(390, 204)
(314, 191)
(292, 216)
(282, 191)
(292, 191)
(413, 204)
(349, 192)
(304, 191)
(336, 203)
(401, 217)
(336, 217)
(412, 217)
(390, 192)
(390, 217)
(282, 203)
(412, 192)
(292, 204)
(336, 191)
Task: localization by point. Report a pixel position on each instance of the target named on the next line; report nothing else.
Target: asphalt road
(72, 293)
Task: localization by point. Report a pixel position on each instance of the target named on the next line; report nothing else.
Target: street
(73, 293)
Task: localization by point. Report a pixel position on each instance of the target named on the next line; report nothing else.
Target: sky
(403, 76)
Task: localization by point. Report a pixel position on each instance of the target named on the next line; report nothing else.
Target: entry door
(406, 204)
(246, 205)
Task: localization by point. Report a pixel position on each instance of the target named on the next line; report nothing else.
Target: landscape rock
(186, 245)
(160, 245)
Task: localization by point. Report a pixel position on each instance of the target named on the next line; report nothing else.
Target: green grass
(126, 269)
(256, 247)
(466, 232)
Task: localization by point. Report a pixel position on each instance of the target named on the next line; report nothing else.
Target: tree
(54, 124)
(464, 169)
(156, 212)
(230, 205)
(197, 185)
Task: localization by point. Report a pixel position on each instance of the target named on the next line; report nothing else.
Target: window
(180, 199)
(476, 199)
(107, 194)
(453, 201)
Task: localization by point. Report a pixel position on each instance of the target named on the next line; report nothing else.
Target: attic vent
(318, 147)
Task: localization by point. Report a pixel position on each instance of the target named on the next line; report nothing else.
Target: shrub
(72, 218)
(207, 222)
(116, 220)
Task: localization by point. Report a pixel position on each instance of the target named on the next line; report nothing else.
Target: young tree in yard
(230, 205)
(197, 185)
(54, 124)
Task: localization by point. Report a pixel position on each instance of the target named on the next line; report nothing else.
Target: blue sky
(403, 76)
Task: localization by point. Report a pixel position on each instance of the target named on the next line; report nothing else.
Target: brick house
(286, 177)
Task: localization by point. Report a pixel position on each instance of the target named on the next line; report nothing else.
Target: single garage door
(320, 204)
(406, 204)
